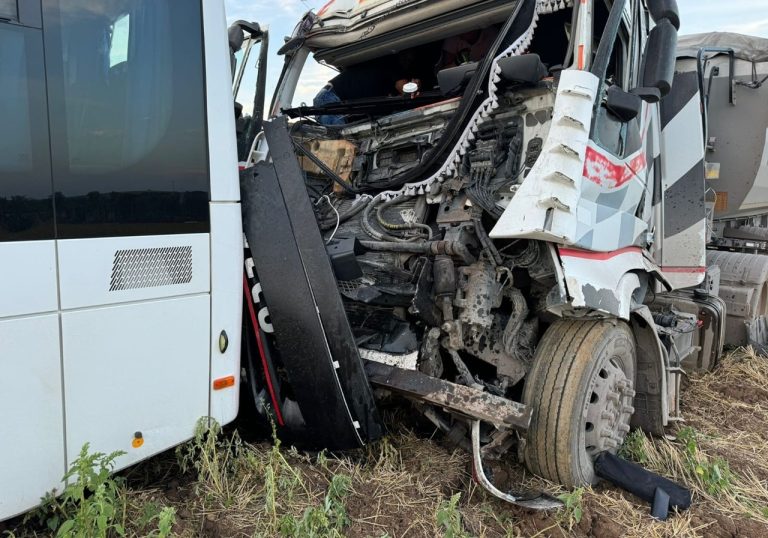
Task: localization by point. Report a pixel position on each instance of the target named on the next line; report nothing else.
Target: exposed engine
(420, 277)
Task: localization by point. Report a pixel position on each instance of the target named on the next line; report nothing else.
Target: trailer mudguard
(311, 331)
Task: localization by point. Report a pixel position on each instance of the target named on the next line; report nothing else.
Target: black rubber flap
(312, 333)
(641, 482)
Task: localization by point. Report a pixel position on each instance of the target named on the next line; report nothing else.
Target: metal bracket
(531, 500)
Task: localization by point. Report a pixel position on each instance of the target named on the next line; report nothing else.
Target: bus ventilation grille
(151, 267)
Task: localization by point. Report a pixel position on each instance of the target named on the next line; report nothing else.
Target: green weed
(713, 474)
(633, 448)
(449, 518)
(327, 520)
(153, 515)
(572, 510)
(90, 505)
(93, 503)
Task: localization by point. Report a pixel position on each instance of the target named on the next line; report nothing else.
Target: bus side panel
(31, 428)
(110, 270)
(226, 307)
(134, 375)
(27, 278)
(226, 218)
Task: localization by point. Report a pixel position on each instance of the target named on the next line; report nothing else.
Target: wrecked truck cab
(490, 237)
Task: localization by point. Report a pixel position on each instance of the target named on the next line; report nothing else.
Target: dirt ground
(411, 485)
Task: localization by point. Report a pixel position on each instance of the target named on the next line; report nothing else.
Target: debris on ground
(412, 485)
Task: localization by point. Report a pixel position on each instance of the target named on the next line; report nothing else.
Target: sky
(741, 16)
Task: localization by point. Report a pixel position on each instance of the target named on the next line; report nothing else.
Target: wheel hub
(608, 408)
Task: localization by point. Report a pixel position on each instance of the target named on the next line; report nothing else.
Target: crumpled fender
(603, 281)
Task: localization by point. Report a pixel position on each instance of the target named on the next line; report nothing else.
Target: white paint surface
(31, 416)
(136, 368)
(27, 278)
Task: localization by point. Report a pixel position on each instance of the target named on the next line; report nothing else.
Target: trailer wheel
(581, 389)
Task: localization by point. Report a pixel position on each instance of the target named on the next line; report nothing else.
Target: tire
(744, 288)
(580, 389)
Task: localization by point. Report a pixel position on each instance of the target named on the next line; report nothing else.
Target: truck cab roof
(348, 32)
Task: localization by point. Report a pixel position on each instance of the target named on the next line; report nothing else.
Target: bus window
(118, 42)
(126, 89)
(9, 10)
(26, 210)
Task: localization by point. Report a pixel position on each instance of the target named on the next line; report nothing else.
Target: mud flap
(311, 331)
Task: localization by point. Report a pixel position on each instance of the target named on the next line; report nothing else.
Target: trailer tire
(580, 389)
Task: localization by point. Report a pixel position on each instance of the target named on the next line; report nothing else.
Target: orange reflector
(581, 57)
(137, 442)
(224, 382)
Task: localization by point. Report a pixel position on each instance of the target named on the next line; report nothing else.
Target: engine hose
(433, 248)
(515, 323)
(367, 226)
(486, 241)
(528, 257)
(404, 226)
(329, 224)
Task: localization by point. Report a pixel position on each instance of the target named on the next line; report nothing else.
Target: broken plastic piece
(343, 253)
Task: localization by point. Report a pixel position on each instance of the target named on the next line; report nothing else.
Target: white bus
(120, 233)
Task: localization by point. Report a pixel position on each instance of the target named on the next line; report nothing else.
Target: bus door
(31, 406)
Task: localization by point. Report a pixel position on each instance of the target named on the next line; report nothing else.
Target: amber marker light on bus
(224, 382)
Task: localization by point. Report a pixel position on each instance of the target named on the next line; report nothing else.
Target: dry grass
(402, 486)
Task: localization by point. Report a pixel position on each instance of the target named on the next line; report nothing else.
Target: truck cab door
(617, 158)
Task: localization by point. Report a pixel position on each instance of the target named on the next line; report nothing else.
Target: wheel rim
(608, 406)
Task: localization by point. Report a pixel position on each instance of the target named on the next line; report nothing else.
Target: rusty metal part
(531, 500)
(455, 432)
(491, 349)
(480, 292)
(430, 362)
(459, 399)
(464, 373)
(456, 209)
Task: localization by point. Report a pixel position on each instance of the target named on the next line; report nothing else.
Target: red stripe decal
(259, 343)
(590, 255)
(601, 170)
(325, 8)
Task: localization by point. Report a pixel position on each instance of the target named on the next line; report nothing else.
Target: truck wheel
(580, 389)
(744, 288)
